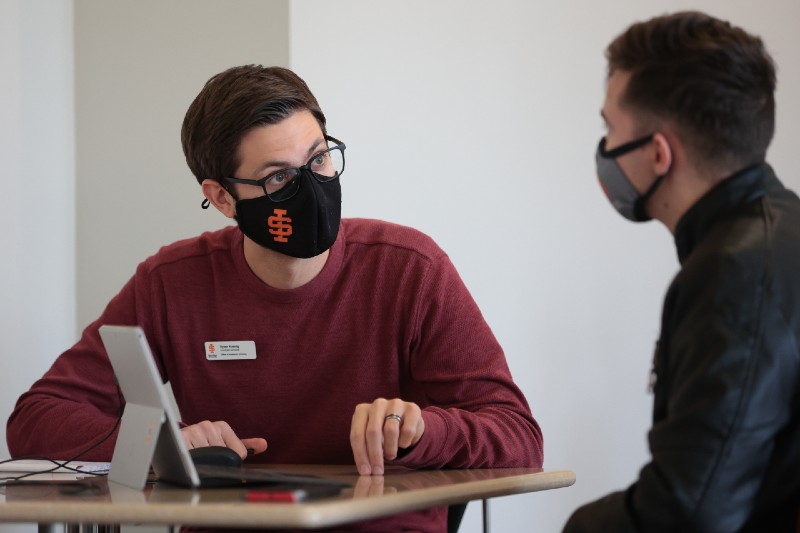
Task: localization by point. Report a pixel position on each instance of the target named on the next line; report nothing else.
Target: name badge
(230, 350)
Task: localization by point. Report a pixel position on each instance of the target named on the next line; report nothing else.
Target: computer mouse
(215, 456)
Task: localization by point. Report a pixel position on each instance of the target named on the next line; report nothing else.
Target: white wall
(37, 290)
(138, 67)
(477, 123)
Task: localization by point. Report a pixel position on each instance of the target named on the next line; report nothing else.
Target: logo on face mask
(280, 225)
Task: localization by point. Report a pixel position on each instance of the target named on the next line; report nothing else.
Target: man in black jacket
(690, 113)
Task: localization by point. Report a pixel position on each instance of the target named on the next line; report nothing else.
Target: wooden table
(398, 491)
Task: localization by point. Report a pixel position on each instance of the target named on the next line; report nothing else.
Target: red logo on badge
(211, 348)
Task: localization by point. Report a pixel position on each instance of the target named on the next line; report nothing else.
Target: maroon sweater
(388, 316)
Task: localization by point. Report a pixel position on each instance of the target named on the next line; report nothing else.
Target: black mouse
(215, 456)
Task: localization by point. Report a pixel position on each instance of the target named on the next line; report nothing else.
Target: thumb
(257, 445)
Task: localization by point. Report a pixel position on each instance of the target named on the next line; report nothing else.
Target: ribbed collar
(743, 187)
(307, 292)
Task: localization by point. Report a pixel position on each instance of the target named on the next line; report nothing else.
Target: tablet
(150, 433)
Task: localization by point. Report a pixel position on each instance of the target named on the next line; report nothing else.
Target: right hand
(219, 433)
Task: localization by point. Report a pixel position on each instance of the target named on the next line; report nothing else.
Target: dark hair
(713, 81)
(229, 105)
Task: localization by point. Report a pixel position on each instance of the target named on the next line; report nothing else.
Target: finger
(358, 439)
(361, 488)
(186, 434)
(229, 439)
(374, 436)
(392, 427)
(200, 435)
(413, 426)
(255, 444)
(376, 487)
(215, 432)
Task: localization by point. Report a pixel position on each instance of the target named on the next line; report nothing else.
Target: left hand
(376, 434)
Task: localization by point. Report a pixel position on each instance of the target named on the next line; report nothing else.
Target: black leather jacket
(725, 440)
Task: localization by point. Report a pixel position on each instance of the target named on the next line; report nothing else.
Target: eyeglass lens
(325, 166)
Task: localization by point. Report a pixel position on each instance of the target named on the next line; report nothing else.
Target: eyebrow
(284, 164)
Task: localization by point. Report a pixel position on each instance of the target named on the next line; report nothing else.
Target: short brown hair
(713, 81)
(229, 105)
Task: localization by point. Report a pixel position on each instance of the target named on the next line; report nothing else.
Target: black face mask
(303, 226)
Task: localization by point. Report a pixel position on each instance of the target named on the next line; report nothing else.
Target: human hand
(379, 428)
(219, 433)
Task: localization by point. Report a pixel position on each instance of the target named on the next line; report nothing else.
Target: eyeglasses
(282, 184)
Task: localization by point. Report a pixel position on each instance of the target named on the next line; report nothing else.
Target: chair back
(455, 513)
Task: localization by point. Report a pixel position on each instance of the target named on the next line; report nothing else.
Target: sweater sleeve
(76, 403)
(475, 416)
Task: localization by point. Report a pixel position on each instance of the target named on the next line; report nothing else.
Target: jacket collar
(743, 187)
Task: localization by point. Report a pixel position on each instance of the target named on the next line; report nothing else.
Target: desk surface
(399, 491)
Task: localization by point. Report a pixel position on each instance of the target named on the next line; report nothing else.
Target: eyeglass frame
(262, 182)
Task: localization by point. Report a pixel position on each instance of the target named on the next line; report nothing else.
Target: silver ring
(393, 416)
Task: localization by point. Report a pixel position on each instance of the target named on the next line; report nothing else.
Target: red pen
(277, 496)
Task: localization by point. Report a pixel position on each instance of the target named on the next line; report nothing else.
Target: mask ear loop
(641, 202)
(206, 202)
(625, 148)
(639, 212)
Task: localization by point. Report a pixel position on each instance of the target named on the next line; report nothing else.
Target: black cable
(63, 464)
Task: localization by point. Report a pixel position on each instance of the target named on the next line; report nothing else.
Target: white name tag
(229, 350)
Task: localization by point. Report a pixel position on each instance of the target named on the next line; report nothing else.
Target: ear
(664, 154)
(219, 197)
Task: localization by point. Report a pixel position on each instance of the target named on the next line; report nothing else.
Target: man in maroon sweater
(355, 340)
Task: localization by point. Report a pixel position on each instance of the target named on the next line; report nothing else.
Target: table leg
(487, 524)
(77, 528)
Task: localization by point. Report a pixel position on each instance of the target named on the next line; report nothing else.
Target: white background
(475, 122)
